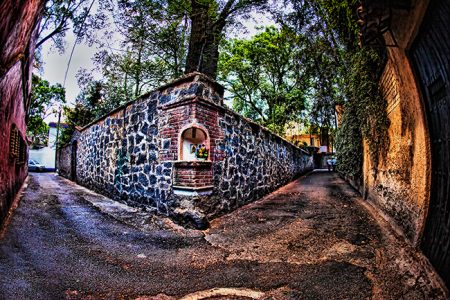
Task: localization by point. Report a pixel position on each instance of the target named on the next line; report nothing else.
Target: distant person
(331, 164)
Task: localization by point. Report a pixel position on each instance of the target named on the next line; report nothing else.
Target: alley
(312, 239)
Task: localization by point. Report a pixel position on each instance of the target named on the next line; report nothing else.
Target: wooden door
(430, 55)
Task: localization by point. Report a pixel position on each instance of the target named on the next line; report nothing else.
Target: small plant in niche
(201, 153)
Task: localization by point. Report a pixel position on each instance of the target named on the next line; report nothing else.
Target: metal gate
(430, 55)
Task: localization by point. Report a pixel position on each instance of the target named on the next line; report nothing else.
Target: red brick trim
(194, 124)
(192, 100)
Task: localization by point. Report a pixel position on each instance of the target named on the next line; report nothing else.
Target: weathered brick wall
(18, 20)
(193, 174)
(399, 185)
(134, 154)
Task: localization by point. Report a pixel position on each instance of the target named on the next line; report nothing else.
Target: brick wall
(399, 185)
(193, 174)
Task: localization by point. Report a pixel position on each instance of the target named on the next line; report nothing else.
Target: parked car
(34, 165)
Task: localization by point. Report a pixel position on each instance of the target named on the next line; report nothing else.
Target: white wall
(46, 155)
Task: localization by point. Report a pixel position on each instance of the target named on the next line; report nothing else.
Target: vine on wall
(365, 117)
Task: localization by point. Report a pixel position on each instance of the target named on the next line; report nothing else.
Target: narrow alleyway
(312, 239)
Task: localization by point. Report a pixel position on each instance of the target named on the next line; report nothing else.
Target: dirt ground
(312, 239)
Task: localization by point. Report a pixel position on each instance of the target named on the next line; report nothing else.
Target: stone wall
(399, 185)
(18, 20)
(64, 161)
(139, 154)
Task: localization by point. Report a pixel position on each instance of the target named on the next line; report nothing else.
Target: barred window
(17, 146)
(14, 142)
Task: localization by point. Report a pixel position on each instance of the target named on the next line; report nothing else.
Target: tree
(150, 51)
(89, 105)
(346, 74)
(208, 20)
(268, 76)
(59, 16)
(44, 97)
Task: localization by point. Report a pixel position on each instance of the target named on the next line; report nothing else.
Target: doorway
(73, 162)
(430, 56)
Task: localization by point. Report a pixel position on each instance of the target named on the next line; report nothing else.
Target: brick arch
(191, 126)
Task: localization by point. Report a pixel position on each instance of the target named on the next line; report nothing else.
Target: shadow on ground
(311, 239)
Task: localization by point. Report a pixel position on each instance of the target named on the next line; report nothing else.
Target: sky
(56, 64)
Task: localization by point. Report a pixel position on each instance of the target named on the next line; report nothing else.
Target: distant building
(46, 155)
(311, 140)
(302, 135)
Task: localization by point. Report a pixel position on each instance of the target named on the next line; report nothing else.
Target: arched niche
(192, 139)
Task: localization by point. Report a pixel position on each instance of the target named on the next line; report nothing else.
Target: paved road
(312, 239)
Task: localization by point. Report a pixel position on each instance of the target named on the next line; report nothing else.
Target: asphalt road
(312, 239)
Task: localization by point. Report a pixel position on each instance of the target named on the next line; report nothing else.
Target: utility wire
(64, 83)
(76, 42)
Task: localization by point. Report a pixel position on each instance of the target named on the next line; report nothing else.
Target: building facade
(18, 28)
(46, 154)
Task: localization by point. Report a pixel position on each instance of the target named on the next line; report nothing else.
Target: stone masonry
(144, 153)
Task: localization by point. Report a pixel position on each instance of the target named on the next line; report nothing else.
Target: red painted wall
(18, 20)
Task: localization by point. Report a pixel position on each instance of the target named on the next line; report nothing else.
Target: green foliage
(151, 50)
(89, 105)
(349, 144)
(346, 74)
(365, 116)
(37, 130)
(264, 76)
(44, 99)
(75, 116)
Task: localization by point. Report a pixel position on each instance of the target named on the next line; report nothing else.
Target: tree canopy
(208, 19)
(298, 70)
(60, 16)
(267, 76)
(44, 98)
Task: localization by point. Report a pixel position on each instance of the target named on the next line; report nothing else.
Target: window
(17, 146)
(14, 142)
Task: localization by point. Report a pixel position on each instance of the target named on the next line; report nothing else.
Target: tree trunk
(203, 53)
(211, 54)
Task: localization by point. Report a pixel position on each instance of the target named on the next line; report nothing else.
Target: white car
(34, 165)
